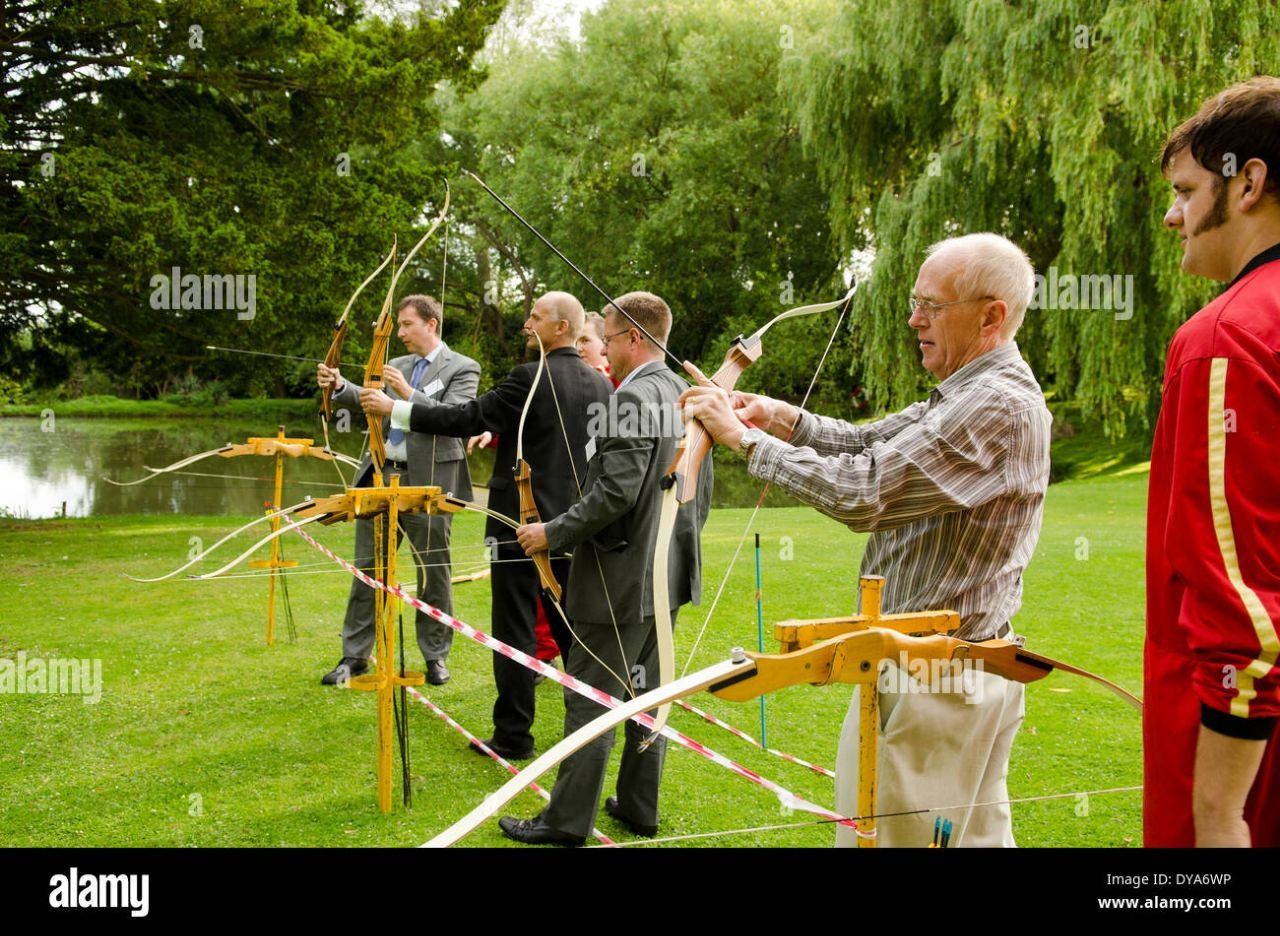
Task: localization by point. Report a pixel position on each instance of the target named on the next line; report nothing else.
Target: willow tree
(1041, 121)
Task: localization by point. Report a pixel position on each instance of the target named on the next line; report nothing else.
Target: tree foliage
(1041, 121)
(657, 155)
(139, 136)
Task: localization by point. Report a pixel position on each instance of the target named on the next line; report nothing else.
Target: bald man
(952, 490)
(555, 446)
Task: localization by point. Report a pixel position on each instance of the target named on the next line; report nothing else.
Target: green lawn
(205, 736)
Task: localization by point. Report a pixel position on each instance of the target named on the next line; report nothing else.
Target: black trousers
(580, 783)
(514, 587)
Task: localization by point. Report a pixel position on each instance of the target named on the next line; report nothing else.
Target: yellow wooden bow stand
(280, 447)
(845, 660)
(384, 504)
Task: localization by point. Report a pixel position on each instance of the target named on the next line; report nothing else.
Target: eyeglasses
(609, 338)
(932, 310)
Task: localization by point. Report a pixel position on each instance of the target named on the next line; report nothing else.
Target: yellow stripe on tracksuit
(1263, 626)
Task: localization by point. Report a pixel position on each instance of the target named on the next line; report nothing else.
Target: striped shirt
(951, 488)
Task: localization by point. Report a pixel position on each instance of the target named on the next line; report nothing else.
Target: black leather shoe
(501, 750)
(437, 672)
(346, 668)
(612, 808)
(534, 832)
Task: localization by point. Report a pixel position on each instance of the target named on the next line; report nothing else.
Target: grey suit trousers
(429, 536)
(576, 795)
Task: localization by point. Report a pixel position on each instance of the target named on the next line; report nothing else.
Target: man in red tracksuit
(1212, 706)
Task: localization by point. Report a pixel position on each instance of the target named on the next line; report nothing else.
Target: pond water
(47, 470)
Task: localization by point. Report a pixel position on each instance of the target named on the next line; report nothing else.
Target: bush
(11, 392)
(190, 391)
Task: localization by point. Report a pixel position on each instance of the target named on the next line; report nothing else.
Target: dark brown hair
(1243, 121)
(426, 307)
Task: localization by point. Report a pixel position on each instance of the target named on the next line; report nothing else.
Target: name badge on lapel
(433, 388)
(591, 448)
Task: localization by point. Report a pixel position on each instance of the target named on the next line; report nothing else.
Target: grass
(1081, 449)
(204, 736)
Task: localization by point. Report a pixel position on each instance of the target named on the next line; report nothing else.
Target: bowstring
(763, 491)
(813, 823)
(617, 633)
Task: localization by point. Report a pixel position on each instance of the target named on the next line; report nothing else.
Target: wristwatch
(750, 439)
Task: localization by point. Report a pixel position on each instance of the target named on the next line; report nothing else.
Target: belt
(998, 634)
(404, 466)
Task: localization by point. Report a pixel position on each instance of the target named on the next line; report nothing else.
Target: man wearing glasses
(952, 492)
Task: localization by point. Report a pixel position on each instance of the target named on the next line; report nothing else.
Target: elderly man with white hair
(952, 490)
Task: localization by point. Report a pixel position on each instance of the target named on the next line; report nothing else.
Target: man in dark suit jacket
(431, 375)
(555, 446)
(612, 530)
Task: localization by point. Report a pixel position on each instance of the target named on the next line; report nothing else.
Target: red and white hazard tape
(785, 796)
(510, 767)
(708, 717)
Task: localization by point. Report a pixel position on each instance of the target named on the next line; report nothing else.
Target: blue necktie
(397, 435)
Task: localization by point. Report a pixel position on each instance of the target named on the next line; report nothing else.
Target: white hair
(991, 265)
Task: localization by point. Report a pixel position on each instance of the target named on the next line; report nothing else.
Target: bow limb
(233, 450)
(665, 631)
(855, 658)
(1028, 664)
(435, 225)
(741, 354)
(236, 532)
(481, 509)
(802, 310)
(524, 485)
(181, 463)
(333, 357)
(256, 546)
(693, 683)
(681, 481)
(382, 329)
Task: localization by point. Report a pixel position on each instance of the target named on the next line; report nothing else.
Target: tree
(656, 154)
(272, 139)
(1041, 121)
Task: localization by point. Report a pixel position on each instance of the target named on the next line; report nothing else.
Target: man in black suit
(555, 446)
(612, 531)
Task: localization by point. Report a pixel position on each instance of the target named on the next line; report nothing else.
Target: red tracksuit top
(1213, 552)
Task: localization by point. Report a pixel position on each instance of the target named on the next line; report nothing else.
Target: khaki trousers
(945, 747)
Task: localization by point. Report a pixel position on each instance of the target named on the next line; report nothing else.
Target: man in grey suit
(433, 375)
(612, 530)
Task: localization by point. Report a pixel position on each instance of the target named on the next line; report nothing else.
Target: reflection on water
(44, 473)
(41, 471)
